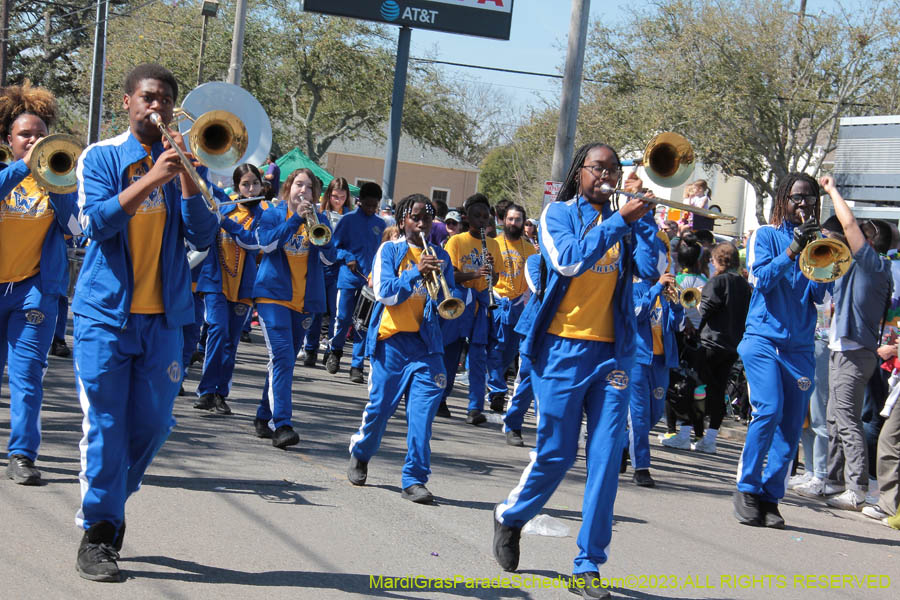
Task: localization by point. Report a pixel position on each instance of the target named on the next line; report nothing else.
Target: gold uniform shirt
(586, 311)
(512, 282)
(25, 219)
(232, 256)
(145, 233)
(297, 252)
(406, 316)
(465, 254)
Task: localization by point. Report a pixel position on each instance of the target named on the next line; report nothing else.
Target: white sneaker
(799, 479)
(849, 500)
(676, 441)
(874, 512)
(705, 445)
(832, 489)
(814, 488)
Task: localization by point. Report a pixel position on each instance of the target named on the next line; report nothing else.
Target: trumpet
(688, 298)
(53, 161)
(211, 203)
(319, 234)
(435, 282)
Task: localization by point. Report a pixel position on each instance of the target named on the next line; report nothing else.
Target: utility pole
(209, 8)
(4, 17)
(237, 43)
(571, 92)
(390, 160)
(96, 103)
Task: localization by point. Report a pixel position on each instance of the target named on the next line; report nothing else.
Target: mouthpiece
(607, 189)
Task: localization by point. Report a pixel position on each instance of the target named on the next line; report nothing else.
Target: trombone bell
(825, 260)
(218, 139)
(668, 159)
(53, 162)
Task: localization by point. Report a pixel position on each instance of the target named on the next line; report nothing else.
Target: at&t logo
(390, 10)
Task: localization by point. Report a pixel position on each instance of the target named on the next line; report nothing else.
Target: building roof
(411, 151)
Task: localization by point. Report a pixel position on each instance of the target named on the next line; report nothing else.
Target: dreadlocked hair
(784, 190)
(17, 100)
(571, 187)
(406, 205)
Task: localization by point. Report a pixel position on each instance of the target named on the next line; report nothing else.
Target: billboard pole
(390, 160)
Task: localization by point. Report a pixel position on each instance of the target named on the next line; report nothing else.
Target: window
(441, 194)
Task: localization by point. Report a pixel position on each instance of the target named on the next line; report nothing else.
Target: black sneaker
(310, 359)
(285, 436)
(357, 471)
(97, 555)
(205, 402)
(475, 417)
(356, 375)
(58, 348)
(245, 337)
(624, 466)
(333, 364)
(221, 407)
(642, 478)
(417, 493)
(444, 410)
(262, 428)
(21, 469)
(506, 543)
(514, 438)
(747, 509)
(196, 357)
(588, 585)
(498, 402)
(771, 517)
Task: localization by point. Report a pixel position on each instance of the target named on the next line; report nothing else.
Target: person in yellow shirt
(511, 293)
(473, 268)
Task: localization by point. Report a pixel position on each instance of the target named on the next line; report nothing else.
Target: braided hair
(17, 100)
(779, 210)
(572, 183)
(406, 205)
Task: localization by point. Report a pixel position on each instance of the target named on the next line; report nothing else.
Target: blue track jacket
(782, 307)
(357, 238)
(392, 288)
(571, 243)
(106, 282)
(54, 276)
(210, 278)
(671, 317)
(273, 279)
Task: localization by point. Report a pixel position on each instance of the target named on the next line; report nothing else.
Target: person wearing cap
(453, 220)
(530, 233)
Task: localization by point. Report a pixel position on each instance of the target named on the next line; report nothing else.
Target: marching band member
(226, 282)
(405, 346)
(289, 289)
(777, 349)
(579, 333)
(356, 239)
(33, 274)
(657, 351)
(511, 292)
(132, 298)
(472, 268)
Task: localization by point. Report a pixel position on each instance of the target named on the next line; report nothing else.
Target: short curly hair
(17, 100)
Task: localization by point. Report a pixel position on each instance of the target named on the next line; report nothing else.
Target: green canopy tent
(295, 159)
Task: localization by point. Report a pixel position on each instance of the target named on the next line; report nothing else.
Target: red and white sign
(551, 190)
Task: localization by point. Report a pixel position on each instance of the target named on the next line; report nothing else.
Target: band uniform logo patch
(659, 393)
(377, 231)
(174, 371)
(34, 317)
(240, 309)
(804, 384)
(307, 323)
(440, 380)
(618, 379)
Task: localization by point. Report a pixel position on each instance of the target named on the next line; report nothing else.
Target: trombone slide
(608, 189)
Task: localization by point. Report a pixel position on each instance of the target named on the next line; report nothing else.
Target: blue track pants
(127, 381)
(191, 334)
(401, 367)
(574, 378)
(315, 330)
(647, 402)
(523, 394)
(779, 384)
(502, 350)
(346, 302)
(226, 320)
(284, 330)
(25, 337)
(62, 315)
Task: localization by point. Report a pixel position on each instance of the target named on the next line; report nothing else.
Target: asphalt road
(223, 514)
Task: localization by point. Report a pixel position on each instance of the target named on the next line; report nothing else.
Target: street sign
(551, 190)
(485, 18)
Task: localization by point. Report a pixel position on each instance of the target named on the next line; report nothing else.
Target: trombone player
(33, 275)
(138, 206)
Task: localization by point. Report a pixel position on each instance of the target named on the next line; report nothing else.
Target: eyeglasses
(599, 171)
(803, 198)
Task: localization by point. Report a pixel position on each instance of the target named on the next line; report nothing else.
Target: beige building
(420, 169)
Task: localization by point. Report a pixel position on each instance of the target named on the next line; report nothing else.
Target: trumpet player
(33, 272)
(132, 298)
(405, 345)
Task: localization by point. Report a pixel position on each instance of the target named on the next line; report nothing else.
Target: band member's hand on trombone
(636, 208)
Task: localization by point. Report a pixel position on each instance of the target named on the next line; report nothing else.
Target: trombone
(451, 307)
(669, 161)
(53, 161)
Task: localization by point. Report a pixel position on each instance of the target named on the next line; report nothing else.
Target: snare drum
(76, 258)
(362, 312)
